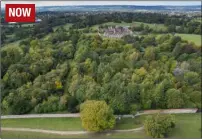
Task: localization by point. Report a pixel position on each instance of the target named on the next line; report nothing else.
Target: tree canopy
(159, 125)
(96, 116)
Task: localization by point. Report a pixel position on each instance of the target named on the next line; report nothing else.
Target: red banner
(20, 13)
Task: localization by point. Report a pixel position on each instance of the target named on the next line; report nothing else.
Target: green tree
(97, 116)
(159, 125)
(149, 54)
(191, 78)
(196, 98)
(18, 101)
(174, 98)
(10, 55)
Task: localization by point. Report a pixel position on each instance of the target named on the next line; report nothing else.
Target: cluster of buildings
(116, 32)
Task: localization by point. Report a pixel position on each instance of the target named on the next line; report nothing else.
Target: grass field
(17, 134)
(197, 19)
(69, 124)
(14, 134)
(64, 124)
(191, 38)
(44, 123)
(129, 123)
(187, 126)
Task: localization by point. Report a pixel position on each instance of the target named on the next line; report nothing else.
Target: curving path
(62, 132)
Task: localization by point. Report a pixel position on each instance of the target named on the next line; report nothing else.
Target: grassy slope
(191, 38)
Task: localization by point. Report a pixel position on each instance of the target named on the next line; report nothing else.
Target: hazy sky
(66, 3)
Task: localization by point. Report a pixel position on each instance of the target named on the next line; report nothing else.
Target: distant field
(197, 19)
(153, 26)
(191, 38)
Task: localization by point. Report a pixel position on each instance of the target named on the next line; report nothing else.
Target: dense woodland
(129, 74)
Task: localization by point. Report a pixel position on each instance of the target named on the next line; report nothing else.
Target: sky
(70, 3)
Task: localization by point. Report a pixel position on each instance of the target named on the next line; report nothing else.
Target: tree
(191, 78)
(196, 98)
(96, 116)
(149, 54)
(174, 40)
(177, 50)
(50, 105)
(174, 98)
(10, 55)
(18, 101)
(159, 125)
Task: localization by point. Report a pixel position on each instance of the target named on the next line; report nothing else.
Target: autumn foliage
(97, 116)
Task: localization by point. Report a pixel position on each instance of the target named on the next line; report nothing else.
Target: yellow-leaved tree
(96, 116)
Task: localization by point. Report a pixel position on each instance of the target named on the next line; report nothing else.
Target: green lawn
(65, 123)
(191, 38)
(15, 134)
(129, 123)
(33, 135)
(187, 126)
(44, 123)
(139, 134)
